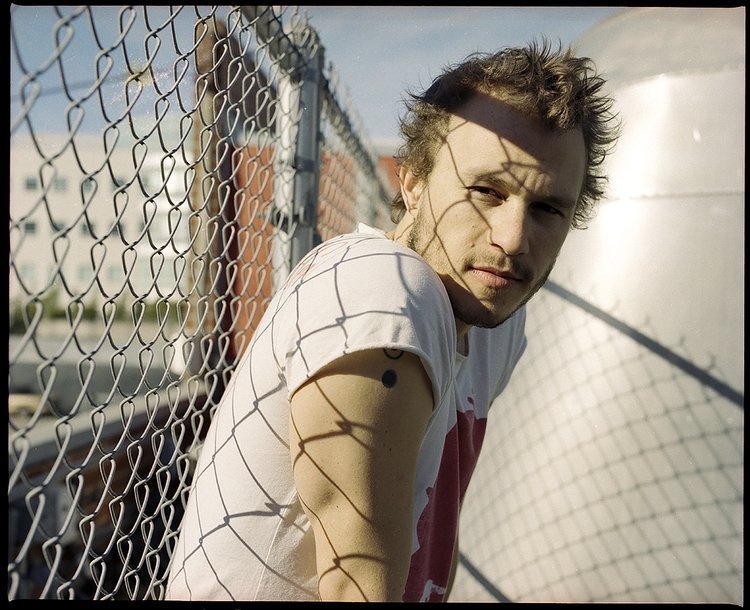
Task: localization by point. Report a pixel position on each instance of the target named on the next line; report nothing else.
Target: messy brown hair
(563, 90)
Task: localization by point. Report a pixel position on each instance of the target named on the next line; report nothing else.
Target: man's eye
(548, 209)
(485, 192)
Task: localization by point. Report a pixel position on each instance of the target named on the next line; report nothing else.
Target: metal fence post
(283, 179)
(307, 159)
(299, 56)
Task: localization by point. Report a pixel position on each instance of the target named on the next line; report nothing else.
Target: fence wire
(169, 165)
(611, 473)
(165, 164)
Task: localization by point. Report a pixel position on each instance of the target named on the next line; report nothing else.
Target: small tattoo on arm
(389, 378)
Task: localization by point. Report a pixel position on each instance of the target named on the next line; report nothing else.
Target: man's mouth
(495, 277)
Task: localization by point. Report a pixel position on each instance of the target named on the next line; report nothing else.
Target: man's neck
(401, 235)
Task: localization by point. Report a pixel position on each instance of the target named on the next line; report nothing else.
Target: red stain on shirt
(438, 524)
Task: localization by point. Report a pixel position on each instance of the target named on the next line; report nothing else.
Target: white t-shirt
(245, 535)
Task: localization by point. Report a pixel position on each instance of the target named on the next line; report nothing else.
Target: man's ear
(411, 189)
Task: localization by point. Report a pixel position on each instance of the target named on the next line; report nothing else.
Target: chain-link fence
(612, 470)
(169, 165)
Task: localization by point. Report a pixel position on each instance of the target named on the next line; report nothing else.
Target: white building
(96, 212)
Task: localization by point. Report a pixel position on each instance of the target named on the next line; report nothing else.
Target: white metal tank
(613, 466)
(674, 223)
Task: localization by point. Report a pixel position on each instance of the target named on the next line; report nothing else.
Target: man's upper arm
(355, 432)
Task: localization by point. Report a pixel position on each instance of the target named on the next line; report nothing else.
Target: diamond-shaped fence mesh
(164, 163)
(612, 471)
(169, 166)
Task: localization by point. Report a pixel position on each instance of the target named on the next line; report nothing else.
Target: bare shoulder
(369, 386)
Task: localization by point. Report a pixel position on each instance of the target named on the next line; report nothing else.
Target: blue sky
(379, 52)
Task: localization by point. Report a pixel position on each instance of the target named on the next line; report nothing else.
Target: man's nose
(509, 227)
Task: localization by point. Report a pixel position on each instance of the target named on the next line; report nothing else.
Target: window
(29, 227)
(27, 272)
(60, 183)
(115, 273)
(84, 272)
(30, 183)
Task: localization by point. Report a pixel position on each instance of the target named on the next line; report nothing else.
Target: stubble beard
(418, 240)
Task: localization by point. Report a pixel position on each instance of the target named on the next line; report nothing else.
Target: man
(337, 462)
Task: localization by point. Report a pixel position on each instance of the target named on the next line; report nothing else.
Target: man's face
(494, 212)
